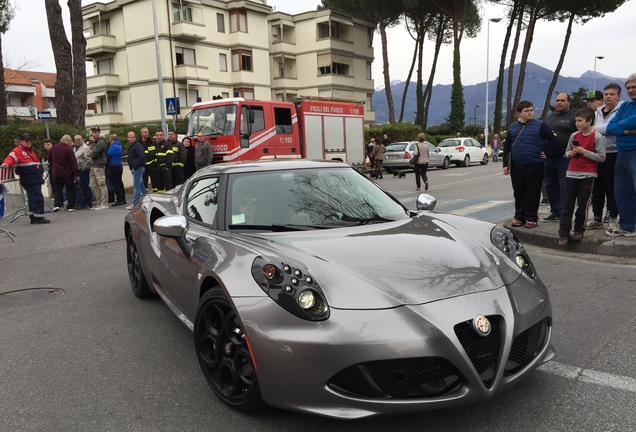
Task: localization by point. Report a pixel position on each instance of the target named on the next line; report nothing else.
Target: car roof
(263, 165)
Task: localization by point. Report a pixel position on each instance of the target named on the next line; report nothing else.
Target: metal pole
(496, 20)
(600, 58)
(162, 107)
(46, 125)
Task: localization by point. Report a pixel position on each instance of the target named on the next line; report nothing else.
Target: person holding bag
(525, 163)
(421, 156)
(377, 155)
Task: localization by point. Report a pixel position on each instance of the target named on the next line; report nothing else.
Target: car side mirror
(174, 227)
(426, 202)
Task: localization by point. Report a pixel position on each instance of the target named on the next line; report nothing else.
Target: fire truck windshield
(214, 120)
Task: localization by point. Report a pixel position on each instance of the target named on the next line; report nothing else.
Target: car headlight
(507, 243)
(292, 287)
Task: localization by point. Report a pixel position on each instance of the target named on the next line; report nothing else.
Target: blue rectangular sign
(44, 115)
(171, 106)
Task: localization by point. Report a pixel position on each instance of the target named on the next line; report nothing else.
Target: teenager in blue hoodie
(115, 156)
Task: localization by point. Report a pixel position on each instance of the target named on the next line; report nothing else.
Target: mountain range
(537, 81)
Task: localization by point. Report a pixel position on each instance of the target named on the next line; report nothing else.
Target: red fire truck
(320, 128)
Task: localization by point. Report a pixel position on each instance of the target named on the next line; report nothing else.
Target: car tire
(446, 163)
(223, 353)
(466, 161)
(138, 281)
(485, 160)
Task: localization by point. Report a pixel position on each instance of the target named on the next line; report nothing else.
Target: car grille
(526, 346)
(399, 379)
(482, 351)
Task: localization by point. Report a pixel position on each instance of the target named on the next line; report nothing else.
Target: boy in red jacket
(586, 149)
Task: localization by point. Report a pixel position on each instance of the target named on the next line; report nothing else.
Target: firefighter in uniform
(29, 168)
(180, 155)
(150, 154)
(165, 158)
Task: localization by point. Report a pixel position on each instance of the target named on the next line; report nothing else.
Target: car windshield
(216, 120)
(396, 147)
(303, 199)
(449, 143)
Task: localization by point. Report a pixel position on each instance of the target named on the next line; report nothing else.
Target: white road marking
(477, 207)
(617, 382)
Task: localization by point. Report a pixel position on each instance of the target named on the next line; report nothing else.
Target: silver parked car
(398, 154)
(464, 151)
(275, 267)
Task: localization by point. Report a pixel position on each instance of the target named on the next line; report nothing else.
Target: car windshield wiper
(280, 227)
(364, 221)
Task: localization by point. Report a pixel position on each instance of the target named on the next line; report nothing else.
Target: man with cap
(28, 167)
(594, 99)
(99, 158)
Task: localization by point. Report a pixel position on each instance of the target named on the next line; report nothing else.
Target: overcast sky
(27, 42)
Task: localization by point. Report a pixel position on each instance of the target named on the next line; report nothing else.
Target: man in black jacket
(137, 164)
(556, 163)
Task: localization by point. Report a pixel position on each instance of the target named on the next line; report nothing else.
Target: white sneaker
(56, 209)
(100, 207)
(130, 207)
(70, 210)
(619, 232)
(612, 224)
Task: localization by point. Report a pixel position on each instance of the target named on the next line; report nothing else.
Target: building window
(245, 93)
(238, 21)
(276, 33)
(225, 95)
(223, 62)
(334, 68)
(106, 66)
(241, 60)
(108, 104)
(370, 33)
(369, 70)
(327, 30)
(220, 22)
(185, 56)
(369, 106)
(188, 97)
(281, 69)
(181, 13)
(101, 27)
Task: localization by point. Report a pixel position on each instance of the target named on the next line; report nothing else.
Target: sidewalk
(594, 241)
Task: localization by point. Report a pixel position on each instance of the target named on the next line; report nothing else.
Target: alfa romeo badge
(482, 326)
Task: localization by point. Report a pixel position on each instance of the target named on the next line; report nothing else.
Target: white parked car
(464, 151)
(398, 154)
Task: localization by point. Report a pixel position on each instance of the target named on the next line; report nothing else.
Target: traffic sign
(44, 115)
(172, 106)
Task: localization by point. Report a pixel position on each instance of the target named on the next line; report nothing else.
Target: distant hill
(535, 89)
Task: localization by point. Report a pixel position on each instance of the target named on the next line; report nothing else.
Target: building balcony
(186, 30)
(18, 112)
(100, 45)
(185, 72)
(108, 82)
(101, 119)
(335, 79)
(286, 82)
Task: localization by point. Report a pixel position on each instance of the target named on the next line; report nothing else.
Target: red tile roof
(21, 77)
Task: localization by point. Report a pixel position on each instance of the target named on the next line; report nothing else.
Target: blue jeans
(625, 189)
(36, 200)
(138, 184)
(83, 193)
(554, 181)
(495, 155)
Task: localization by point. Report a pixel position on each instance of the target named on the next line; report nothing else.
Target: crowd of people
(88, 174)
(582, 157)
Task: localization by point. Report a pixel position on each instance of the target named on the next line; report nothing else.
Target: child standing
(586, 149)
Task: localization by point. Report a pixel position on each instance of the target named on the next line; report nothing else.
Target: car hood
(408, 262)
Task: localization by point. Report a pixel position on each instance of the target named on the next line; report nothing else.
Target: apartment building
(29, 92)
(210, 48)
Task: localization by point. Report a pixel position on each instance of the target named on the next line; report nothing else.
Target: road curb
(594, 242)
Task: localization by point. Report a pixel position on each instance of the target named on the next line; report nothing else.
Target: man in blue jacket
(623, 125)
(524, 145)
(137, 164)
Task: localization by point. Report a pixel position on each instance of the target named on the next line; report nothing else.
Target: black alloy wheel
(138, 281)
(466, 161)
(485, 160)
(446, 163)
(223, 353)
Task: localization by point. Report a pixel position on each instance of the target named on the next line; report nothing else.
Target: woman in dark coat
(189, 167)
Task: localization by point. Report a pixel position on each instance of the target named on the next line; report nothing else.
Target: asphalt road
(84, 354)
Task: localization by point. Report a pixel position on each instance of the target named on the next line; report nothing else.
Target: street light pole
(475, 115)
(162, 106)
(495, 20)
(600, 58)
